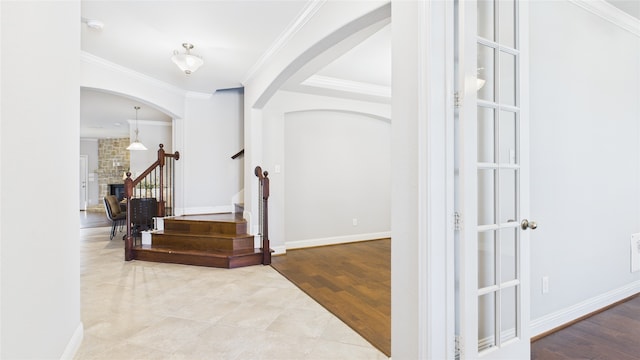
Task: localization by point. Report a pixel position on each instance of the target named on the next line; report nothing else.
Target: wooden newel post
(128, 240)
(264, 187)
(266, 246)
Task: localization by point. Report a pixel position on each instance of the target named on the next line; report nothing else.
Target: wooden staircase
(215, 240)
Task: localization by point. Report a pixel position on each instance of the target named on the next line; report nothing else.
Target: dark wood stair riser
(205, 227)
(199, 259)
(204, 243)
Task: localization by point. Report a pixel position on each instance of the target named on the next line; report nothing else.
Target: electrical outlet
(355, 222)
(545, 284)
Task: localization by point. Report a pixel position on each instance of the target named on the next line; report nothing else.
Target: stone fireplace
(113, 162)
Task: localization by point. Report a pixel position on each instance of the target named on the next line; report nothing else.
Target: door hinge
(457, 221)
(457, 99)
(458, 347)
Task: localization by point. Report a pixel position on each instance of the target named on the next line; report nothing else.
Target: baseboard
(279, 250)
(74, 343)
(559, 318)
(205, 210)
(336, 240)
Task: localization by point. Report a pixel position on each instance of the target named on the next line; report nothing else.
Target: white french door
(492, 192)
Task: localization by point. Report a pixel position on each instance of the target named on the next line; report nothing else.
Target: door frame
(84, 194)
(422, 255)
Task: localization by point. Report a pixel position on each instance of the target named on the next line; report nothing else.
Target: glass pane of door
(492, 172)
(498, 175)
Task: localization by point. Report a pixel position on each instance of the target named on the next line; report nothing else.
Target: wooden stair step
(192, 241)
(227, 223)
(215, 240)
(219, 258)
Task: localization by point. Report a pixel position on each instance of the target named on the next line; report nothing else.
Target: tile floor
(143, 310)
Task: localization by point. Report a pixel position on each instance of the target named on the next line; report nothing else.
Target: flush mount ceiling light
(187, 62)
(136, 145)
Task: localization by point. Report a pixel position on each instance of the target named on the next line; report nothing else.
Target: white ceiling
(230, 35)
(631, 7)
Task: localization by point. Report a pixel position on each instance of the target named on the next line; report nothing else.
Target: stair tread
(224, 218)
(187, 235)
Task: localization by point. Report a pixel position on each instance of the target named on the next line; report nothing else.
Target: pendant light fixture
(187, 62)
(136, 145)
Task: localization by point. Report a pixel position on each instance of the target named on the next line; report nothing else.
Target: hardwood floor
(610, 334)
(353, 281)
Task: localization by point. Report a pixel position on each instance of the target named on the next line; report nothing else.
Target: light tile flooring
(143, 310)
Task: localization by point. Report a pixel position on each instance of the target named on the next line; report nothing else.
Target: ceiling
(230, 35)
(631, 7)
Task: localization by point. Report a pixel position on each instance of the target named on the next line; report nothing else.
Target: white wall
(315, 35)
(338, 170)
(151, 134)
(212, 134)
(206, 130)
(40, 299)
(89, 147)
(274, 117)
(585, 157)
(97, 73)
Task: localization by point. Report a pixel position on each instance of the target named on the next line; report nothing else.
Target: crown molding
(96, 60)
(326, 82)
(610, 13)
(286, 36)
(150, 122)
(197, 95)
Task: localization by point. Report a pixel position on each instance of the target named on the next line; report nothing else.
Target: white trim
(488, 342)
(573, 312)
(610, 13)
(205, 210)
(326, 82)
(279, 250)
(284, 38)
(197, 95)
(96, 60)
(178, 143)
(151, 122)
(74, 343)
(299, 244)
(427, 222)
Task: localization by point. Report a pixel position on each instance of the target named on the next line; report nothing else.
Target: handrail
(129, 185)
(238, 154)
(263, 217)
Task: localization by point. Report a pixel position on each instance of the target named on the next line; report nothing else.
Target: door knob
(526, 224)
